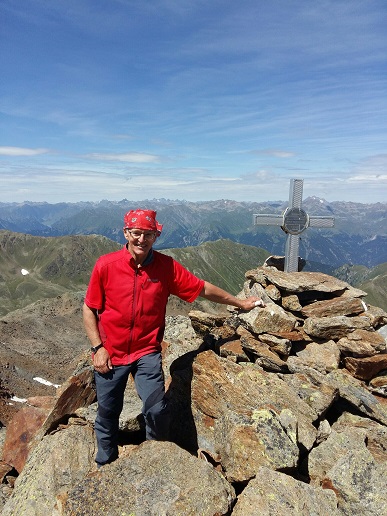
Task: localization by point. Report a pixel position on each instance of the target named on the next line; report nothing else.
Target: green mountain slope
(222, 262)
(57, 265)
(54, 264)
(60, 264)
(376, 286)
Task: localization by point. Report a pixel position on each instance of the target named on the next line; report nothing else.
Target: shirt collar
(148, 260)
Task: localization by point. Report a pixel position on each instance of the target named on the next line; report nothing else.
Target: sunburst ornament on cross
(293, 222)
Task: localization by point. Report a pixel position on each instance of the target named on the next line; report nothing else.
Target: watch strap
(94, 349)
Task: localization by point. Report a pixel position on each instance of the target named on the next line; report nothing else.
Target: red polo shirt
(131, 301)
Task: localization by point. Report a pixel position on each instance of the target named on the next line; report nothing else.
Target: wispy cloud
(20, 151)
(276, 153)
(129, 157)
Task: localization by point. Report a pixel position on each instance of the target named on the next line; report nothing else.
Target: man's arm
(218, 295)
(101, 359)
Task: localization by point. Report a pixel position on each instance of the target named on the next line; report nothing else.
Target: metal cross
(294, 221)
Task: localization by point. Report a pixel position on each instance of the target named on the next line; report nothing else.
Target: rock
(323, 357)
(281, 346)
(5, 492)
(362, 343)
(247, 442)
(295, 282)
(273, 292)
(380, 380)
(44, 402)
(359, 483)
(58, 463)
(218, 391)
(324, 431)
(313, 388)
(273, 493)
(366, 368)
(376, 434)
(383, 332)
(291, 302)
(179, 338)
(21, 430)
(203, 322)
(234, 349)
(263, 355)
(255, 290)
(353, 391)
(4, 470)
(2, 439)
(334, 327)
(30, 424)
(156, 478)
(297, 335)
(334, 307)
(131, 418)
(344, 464)
(378, 317)
(270, 319)
(259, 397)
(78, 391)
(323, 457)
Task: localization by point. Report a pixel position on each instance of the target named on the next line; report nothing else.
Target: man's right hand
(101, 361)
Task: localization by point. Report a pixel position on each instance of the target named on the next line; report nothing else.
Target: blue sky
(192, 99)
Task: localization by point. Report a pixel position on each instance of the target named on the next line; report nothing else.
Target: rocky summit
(280, 410)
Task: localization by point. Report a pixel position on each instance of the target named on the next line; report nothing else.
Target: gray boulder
(156, 478)
(271, 492)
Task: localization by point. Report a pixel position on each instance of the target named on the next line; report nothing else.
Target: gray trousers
(149, 381)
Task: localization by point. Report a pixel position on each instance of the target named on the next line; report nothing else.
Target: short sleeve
(185, 285)
(95, 295)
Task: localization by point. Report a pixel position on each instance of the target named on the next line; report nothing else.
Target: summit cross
(293, 221)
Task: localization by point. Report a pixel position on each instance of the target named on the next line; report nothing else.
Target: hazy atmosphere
(113, 99)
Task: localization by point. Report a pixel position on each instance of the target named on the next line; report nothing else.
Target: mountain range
(359, 236)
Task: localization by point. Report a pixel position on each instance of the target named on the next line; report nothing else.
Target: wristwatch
(94, 349)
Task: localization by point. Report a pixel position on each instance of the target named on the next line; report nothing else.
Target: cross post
(293, 222)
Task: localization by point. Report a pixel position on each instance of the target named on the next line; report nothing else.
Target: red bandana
(142, 219)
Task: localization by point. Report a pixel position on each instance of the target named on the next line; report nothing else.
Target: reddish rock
(366, 368)
(45, 402)
(234, 349)
(20, 432)
(77, 392)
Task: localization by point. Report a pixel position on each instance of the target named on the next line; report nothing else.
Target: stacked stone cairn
(280, 410)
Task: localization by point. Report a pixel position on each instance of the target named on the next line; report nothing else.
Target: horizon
(184, 201)
(193, 101)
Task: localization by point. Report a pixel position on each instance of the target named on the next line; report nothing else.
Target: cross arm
(321, 222)
(267, 220)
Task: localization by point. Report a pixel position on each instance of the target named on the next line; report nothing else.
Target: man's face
(140, 242)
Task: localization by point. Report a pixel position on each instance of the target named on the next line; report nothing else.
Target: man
(124, 318)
